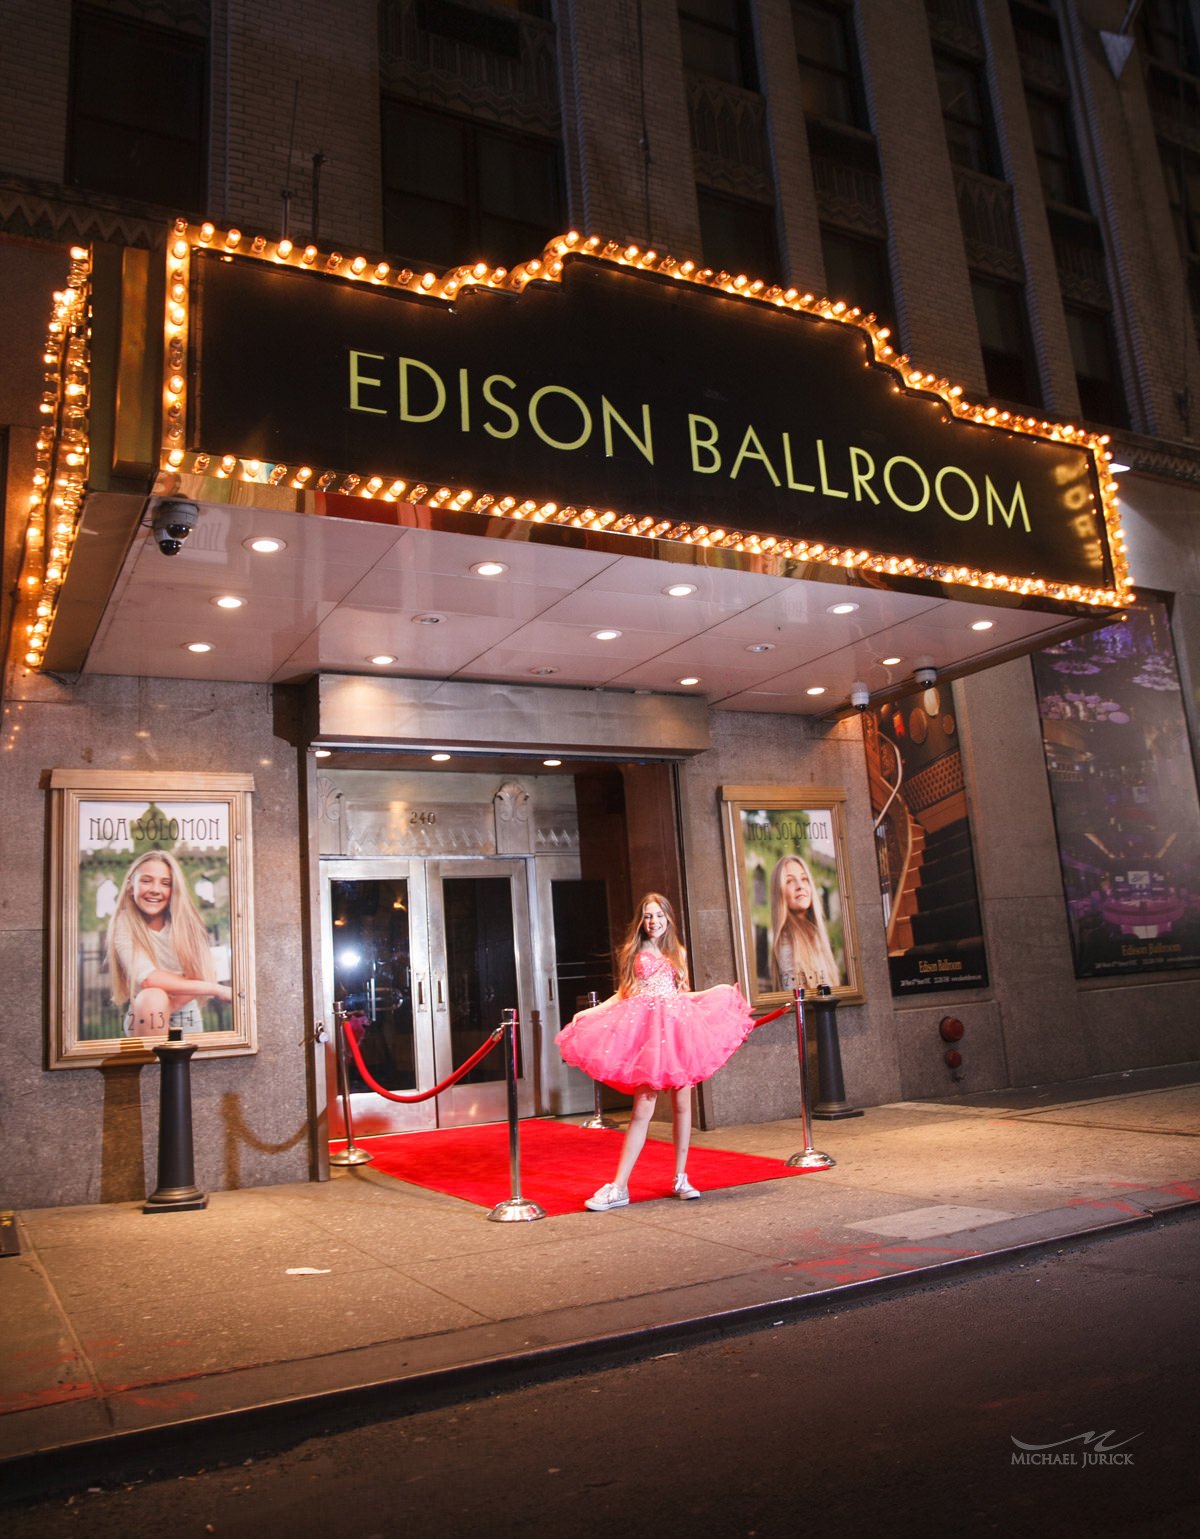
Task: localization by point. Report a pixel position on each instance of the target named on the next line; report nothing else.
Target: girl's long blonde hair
(812, 955)
(188, 934)
(670, 945)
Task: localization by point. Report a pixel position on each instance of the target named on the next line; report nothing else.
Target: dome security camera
(173, 520)
(860, 695)
(925, 673)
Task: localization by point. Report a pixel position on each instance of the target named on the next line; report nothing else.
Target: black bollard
(176, 1191)
(832, 1104)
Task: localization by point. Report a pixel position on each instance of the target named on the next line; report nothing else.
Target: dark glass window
(1168, 34)
(1181, 169)
(1004, 339)
(718, 41)
(737, 235)
(136, 119)
(827, 58)
(966, 113)
(856, 270)
(1054, 141)
(456, 191)
(1097, 372)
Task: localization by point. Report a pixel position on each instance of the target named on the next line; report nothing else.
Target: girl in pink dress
(653, 1035)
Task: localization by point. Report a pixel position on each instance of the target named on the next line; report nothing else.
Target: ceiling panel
(341, 592)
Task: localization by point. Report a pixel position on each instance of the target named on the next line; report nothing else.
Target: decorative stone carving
(514, 819)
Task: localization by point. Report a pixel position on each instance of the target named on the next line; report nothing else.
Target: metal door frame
(461, 1105)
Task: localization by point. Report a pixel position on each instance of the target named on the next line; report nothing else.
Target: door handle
(441, 1003)
(550, 987)
(421, 991)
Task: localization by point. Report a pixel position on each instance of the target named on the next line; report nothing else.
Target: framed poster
(1123, 786)
(151, 921)
(789, 892)
(923, 844)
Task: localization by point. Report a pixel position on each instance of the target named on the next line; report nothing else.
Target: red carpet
(561, 1164)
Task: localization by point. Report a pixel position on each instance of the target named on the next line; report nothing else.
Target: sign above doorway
(601, 387)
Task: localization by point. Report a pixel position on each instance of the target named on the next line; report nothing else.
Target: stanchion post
(597, 1119)
(832, 1105)
(516, 1209)
(351, 1154)
(809, 1158)
(176, 1191)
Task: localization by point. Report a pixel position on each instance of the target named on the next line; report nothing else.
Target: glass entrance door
(424, 956)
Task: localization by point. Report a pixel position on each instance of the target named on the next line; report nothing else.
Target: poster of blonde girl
(152, 923)
(790, 890)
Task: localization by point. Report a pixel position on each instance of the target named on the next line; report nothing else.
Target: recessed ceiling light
(383, 660)
(551, 763)
(199, 646)
(761, 646)
(265, 545)
(322, 753)
(890, 662)
(229, 601)
(605, 635)
(439, 758)
(428, 618)
(489, 568)
(841, 609)
(981, 625)
(680, 589)
(543, 672)
(690, 680)
(815, 689)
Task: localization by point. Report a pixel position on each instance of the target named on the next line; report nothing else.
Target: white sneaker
(609, 1196)
(683, 1188)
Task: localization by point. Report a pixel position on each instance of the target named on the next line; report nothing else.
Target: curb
(221, 1436)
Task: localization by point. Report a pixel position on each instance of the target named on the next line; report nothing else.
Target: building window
(456, 191)
(137, 112)
(1101, 396)
(966, 114)
(856, 270)
(1004, 339)
(737, 235)
(1054, 141)
(827, 58)
(1168, 35)
(718, 41)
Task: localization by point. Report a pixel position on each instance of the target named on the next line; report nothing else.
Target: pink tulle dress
(660, 1035)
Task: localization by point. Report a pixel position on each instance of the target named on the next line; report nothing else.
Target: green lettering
(609, 414)
(825, 486)
(708, 445)
(953, 470)
(757, 452)
(559, 443)
(358, 379)
(1018, 501)
(862, 477)
(489, 395)
(406, 412)
(793, 484)
(909, 507)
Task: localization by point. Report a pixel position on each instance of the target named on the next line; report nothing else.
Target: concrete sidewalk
(127, 1334)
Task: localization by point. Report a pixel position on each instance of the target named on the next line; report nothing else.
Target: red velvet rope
(774, 1015)
(421, 1095)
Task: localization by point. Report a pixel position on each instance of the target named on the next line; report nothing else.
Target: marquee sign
(608, 388)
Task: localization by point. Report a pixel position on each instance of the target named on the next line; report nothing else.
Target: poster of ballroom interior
(923, 844)
(1123, 785)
